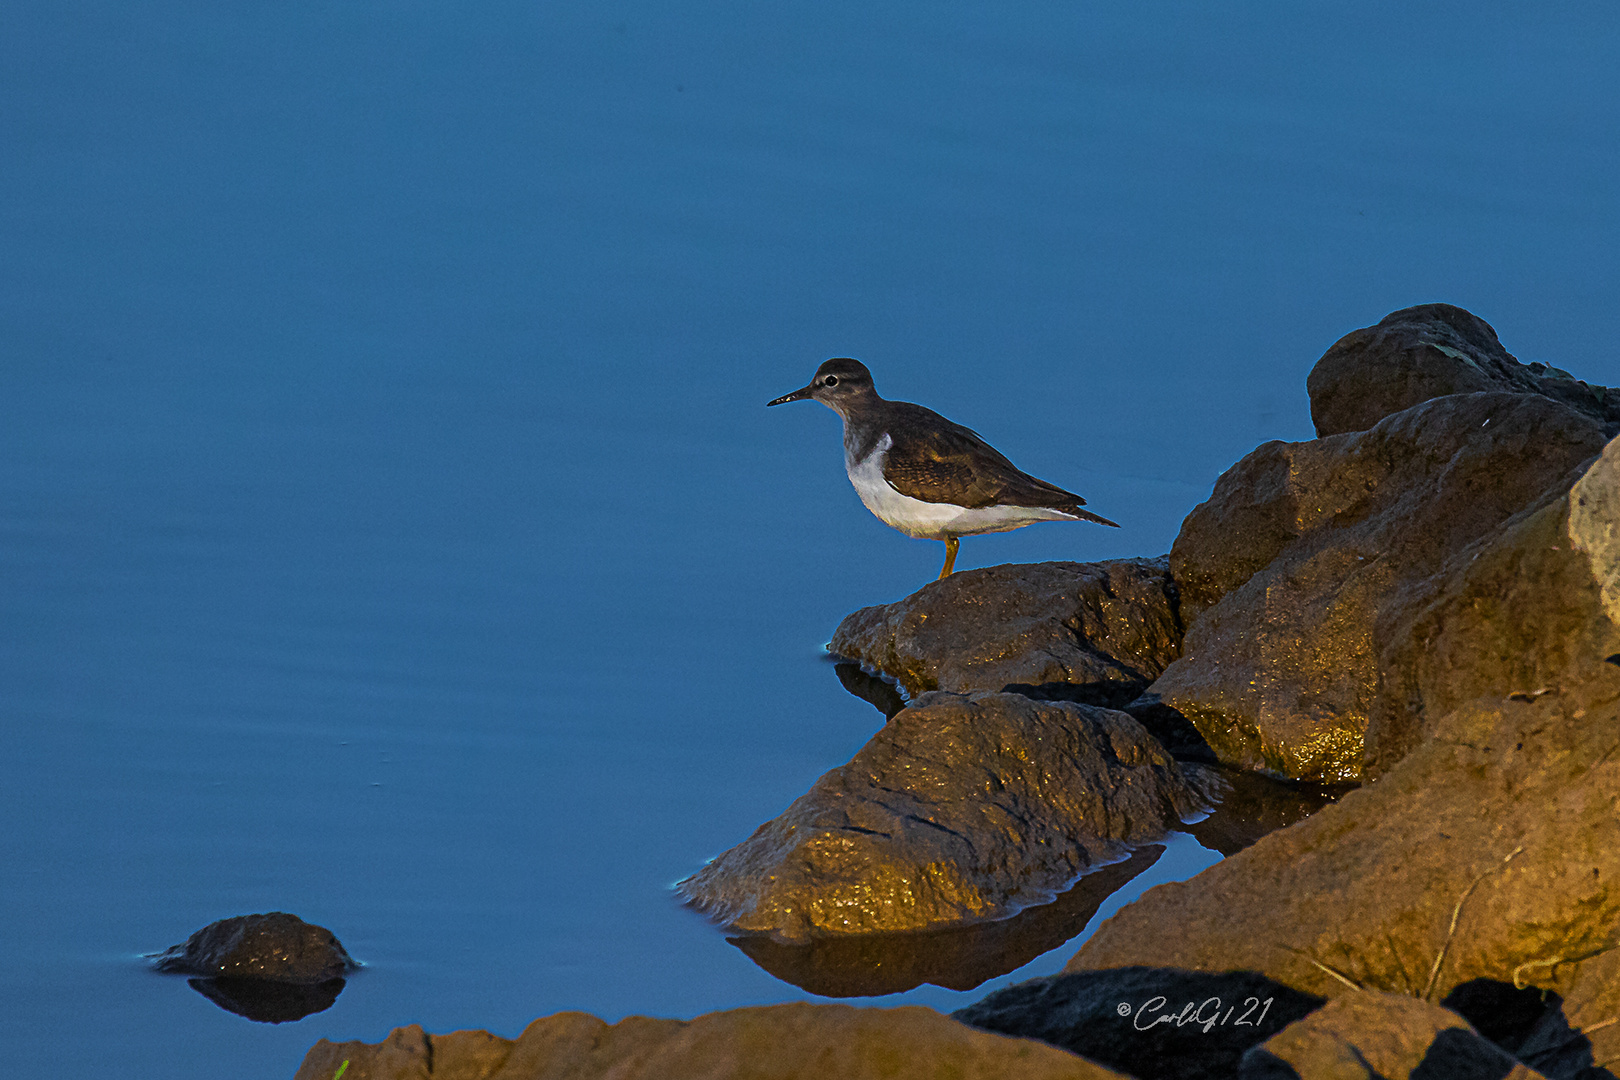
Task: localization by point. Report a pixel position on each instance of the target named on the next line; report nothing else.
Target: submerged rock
(783, 1042)
(1377, 1036)
(275, 946)
(1155, 1023)
(1092, 632)
(1305, 548)
(963, 808)
(1431, 351)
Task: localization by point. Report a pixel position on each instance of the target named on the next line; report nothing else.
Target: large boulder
(1431, 351)
(778, 1042)
(963, 808)
(1523, 614)
(1377, 1036)
(1092, 632)
(1305, 548)
(1490, 852)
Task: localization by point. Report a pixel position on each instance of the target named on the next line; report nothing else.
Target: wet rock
(1380, 1037)
(1491, 851)
(963, 808)
(783, 1042)
(1304, 547)
(276, 946)
(1152, 1022)
(867, 965)
(1091, 632)
(1431, 351)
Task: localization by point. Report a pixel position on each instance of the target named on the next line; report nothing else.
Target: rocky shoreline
(1423, 601)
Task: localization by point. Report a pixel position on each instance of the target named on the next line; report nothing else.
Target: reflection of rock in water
(871, 688)
(269, 1002)
(1256, 805)
(873, 964)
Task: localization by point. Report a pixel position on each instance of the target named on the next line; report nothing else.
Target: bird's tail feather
(1087, 515)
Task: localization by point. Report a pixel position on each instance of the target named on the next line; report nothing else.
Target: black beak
(797, 395)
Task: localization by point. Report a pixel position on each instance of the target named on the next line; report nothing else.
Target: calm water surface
(391, 531)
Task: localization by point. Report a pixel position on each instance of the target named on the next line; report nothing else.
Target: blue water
(391, 531)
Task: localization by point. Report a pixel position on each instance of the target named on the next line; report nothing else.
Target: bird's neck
(863, 428)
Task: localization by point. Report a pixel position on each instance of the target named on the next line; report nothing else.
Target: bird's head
(838, 383)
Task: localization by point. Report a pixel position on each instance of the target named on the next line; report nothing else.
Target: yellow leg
(950, 557)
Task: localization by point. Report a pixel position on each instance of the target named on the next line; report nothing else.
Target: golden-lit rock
(1526, 612)
(963, 808)
(1490, 852)
(1305, 549)
(776, 1042)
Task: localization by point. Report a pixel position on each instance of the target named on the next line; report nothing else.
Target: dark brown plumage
(940, 461)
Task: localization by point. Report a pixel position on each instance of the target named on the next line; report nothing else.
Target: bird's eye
(831, 380)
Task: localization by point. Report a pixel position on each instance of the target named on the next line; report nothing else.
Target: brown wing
(937, 461)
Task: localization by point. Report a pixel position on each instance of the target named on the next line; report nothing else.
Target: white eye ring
(831, 380)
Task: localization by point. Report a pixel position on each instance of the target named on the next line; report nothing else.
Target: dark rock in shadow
(277, 946)
(1429, 351)
(1150, 1022)
(1171, 728)
(1375, 1034)
(873, 964)
(873, 689)
(269, 1002)
(1255, 805)
(1528, 1023)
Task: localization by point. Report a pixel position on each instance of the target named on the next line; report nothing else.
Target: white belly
(930, 520)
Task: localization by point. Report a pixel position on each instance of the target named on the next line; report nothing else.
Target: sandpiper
(922, 474)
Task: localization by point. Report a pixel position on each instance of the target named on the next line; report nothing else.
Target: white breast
(929, 520)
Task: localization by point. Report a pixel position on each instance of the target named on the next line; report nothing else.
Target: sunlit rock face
(796, 1041)
(1092, 632)
(1491, 851)
(1430, 351)
(1529, 611)
(1297, 572)
(962, 808)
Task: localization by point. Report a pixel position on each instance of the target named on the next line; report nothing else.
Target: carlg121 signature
(1207, 1014)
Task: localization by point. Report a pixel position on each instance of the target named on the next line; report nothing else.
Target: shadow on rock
(1149, 1022)
(1530, 1024)
(874, 964)
(877, 691)
(269, 1002)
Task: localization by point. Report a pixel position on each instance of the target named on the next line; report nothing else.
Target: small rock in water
(276, 946)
